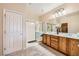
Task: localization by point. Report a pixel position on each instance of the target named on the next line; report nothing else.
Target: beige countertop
(67, 35)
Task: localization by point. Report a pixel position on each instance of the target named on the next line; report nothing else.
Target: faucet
(58, 30)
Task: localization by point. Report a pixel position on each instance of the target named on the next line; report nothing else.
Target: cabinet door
(44, 40)
(74, 47)
(62, 44)
(48, 40)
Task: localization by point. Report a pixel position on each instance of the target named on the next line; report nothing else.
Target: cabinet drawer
(48, 36)
(53, 39)
(54, 42)
(56, 37)
(54, 45)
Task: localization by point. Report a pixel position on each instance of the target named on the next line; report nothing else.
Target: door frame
(3, 34)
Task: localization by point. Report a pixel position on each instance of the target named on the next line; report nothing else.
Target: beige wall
(17, 7)
(68, 8)
(72, 20)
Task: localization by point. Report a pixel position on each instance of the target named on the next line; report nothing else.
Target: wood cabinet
(44, 39)
(62, 44)
(48, 40)
(73, 47)
(54, 42)
(68, 46)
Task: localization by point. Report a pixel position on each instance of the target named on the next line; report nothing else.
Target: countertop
(67, 35)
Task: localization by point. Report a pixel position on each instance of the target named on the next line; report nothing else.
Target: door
(12, 32)
(62, 44)
(30, 31)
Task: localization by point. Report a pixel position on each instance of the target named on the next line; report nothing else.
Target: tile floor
(37, 49)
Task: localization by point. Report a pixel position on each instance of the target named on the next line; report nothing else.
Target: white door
(12, 32)
(30, 31)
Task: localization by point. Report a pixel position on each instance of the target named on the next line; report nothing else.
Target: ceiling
(41, 8)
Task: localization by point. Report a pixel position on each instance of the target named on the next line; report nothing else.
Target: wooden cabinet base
(67, 46)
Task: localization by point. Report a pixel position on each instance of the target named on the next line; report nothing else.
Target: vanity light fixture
(59, 12)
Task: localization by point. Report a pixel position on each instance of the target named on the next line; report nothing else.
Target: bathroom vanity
(62, 42)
